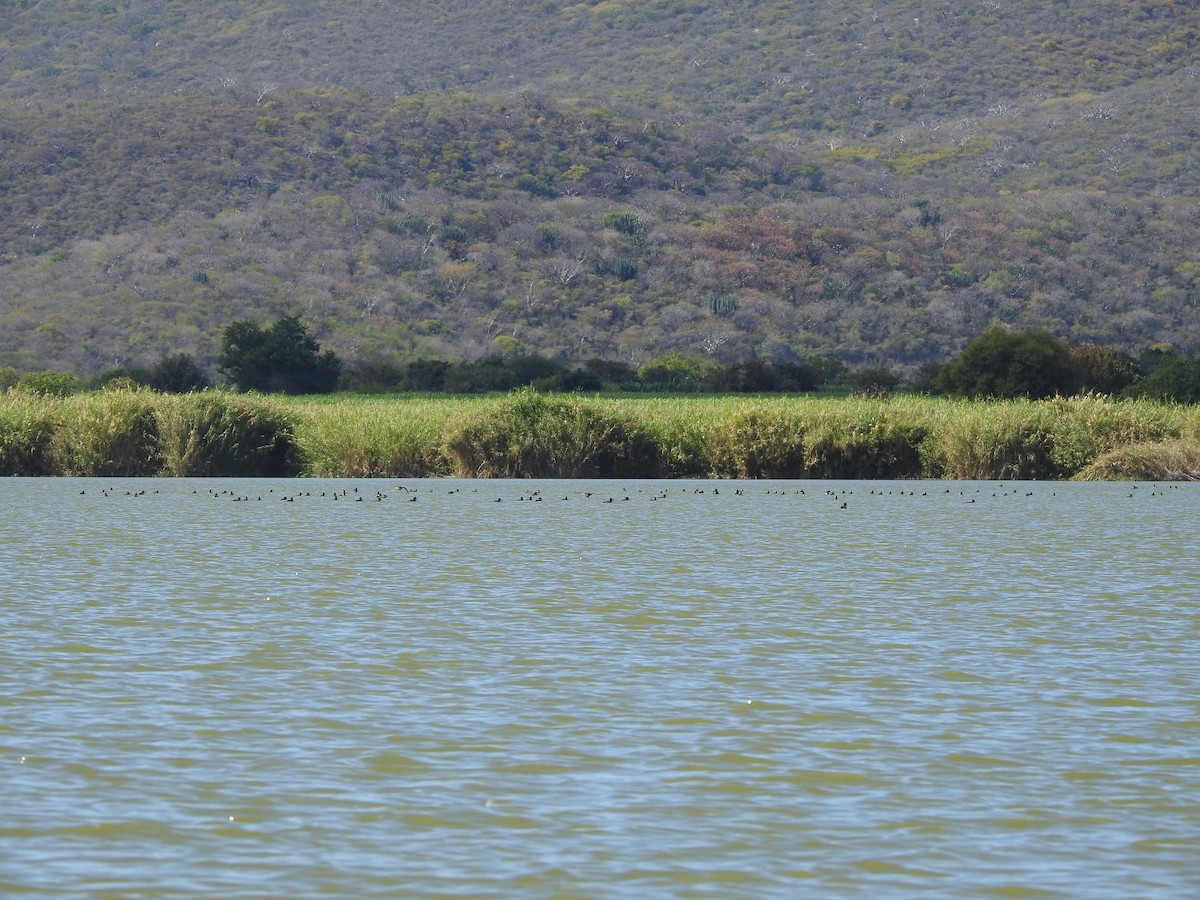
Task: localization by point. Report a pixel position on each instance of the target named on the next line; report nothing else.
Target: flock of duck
(410, 494)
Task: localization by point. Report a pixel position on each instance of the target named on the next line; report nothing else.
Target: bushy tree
(612, 374)
(284, 358)
(499, 374)
(177, 373)
(53, 384)
(674, 372)
(875, 380)
(1104, 369)
(1006, 364)
(427, 374)
(136, 374)
(827, 371)
(751, 376)
(1175, 378)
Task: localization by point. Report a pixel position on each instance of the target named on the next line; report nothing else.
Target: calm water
(709, 688)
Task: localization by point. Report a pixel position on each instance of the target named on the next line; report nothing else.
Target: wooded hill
(616, 179)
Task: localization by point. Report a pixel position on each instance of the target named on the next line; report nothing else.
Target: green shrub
(217, 433)
(283, 358)
(629, 223)
(50, 384)
(1001, 364)
(1175, 378)
(178, 373)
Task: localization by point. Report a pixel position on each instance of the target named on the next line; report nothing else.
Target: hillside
(611, 179)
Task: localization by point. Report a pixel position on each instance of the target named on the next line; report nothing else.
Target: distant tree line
(998, 364)
(1033, 364)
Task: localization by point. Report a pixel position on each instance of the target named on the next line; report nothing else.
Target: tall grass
(376, 438)
(1005, 439)
(526, 434)
(1158, 461)
(681, 428)
(217, 433)
(864, 439)
(1084, 428)
(1023, 439)
(534, 435)
(113, 432)
(27, 427)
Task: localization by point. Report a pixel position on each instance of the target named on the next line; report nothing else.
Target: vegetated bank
(526, 433)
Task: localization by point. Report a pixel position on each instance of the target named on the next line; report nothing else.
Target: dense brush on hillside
(614, 179)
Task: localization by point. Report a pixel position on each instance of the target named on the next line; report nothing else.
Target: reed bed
(528, 434)
(27, 427)
(378, 438)
(535, 435)
(1042, 439)
(1157, 461)
(110, 433)
(214, 433)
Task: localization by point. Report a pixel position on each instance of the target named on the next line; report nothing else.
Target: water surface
(520, 688)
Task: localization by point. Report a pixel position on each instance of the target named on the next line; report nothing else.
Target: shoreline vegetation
(525, 433)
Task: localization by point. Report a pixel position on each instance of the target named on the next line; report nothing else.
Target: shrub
(50, 384)
(628, 223)
(1001, 364)
(612, 375)
(1103, 369)
(178, 373)
(674, 372)
(874, 381)
(751, 376)
(827, 372)
(1175, 378)
(426, 374)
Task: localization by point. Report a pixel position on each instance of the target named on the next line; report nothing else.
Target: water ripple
(752, 692)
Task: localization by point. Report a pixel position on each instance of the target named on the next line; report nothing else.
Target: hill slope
(611, 179)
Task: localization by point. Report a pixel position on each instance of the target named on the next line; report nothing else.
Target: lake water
(512, 688)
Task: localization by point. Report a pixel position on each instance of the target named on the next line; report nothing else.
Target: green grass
(528, 434)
